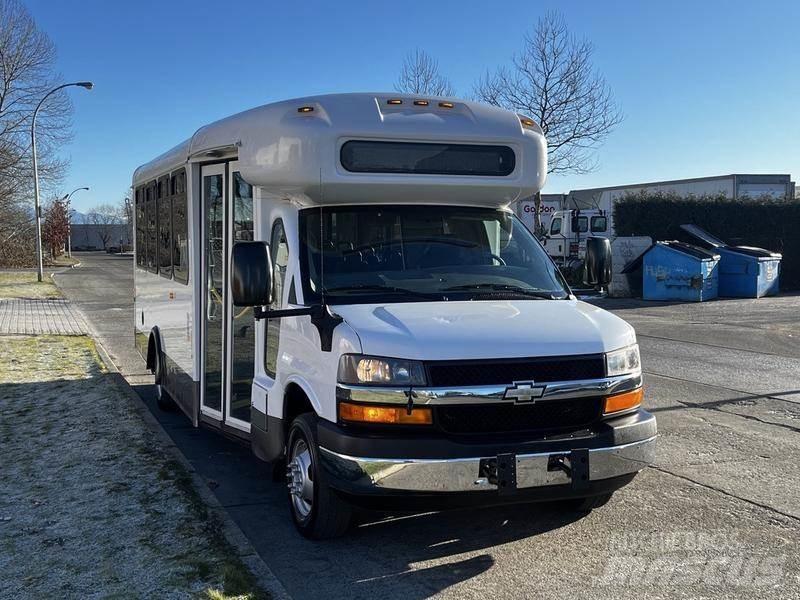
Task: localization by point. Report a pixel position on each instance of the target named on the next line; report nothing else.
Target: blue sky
(706, 87)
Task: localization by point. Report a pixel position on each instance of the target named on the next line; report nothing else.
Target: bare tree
(420, 75)
(107, 219)
(27, 62)
(552, 80)
(55, 228)
(126, 210)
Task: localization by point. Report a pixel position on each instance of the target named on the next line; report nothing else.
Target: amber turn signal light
(393, 415)
(624, 401)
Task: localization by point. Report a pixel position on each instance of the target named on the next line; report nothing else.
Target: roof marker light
(305, 109)
(446, 105)
(421, 103)
(526, 121)
(394, 101)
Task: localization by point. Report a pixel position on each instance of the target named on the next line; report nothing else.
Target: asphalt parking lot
(718, 515)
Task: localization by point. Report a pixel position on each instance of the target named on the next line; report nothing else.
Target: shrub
(762, 222)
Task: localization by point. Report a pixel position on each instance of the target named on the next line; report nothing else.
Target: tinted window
(599, 224)
(438, 159)
(164, 228)
(180, 238)
(583, 224)
(555, 226)
(152, 221)
(141, 228)
(279, 250)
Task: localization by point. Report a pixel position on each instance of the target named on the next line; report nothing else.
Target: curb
(246, 552)
(233, 534)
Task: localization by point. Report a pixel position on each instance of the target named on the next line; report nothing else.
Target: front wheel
(317, 512)
(164, 401)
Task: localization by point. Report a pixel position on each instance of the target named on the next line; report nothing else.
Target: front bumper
(618, 448)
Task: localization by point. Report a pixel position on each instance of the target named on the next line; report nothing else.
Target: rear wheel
(317, 512)
(586, 505)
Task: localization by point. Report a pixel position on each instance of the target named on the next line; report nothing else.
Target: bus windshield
(366, 254)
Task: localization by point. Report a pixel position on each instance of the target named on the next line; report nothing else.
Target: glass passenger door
(242, 347)
(214, 271)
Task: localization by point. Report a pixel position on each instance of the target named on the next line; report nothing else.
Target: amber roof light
(305, 109)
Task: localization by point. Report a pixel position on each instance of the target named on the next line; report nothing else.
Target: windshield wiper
(500, 287)
(380, 288)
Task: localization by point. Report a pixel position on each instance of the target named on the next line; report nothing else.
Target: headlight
(624, 361)
(359, 369)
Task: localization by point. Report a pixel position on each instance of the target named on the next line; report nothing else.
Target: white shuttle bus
(339, 282)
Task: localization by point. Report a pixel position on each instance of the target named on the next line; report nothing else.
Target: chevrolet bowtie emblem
(524, 391)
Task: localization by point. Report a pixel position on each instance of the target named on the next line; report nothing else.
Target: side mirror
(597, 268)
(251, 274)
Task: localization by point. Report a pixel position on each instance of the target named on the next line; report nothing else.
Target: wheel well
(295, 403)
(152, 350)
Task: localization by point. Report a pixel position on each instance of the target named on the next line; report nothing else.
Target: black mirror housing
(251, 274)
(597, 268)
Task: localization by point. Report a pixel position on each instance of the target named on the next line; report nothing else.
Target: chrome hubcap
(299, 478)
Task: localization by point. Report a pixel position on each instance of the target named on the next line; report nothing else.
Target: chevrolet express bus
(338, 281)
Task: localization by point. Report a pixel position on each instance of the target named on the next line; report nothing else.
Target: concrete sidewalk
(40, 316)
(94, 499)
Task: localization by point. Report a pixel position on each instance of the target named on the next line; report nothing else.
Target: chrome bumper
(464, 474)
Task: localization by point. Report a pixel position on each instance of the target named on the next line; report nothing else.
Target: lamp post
(67, 198)
(84, 84)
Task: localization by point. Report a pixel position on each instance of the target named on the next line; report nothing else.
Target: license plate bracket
(501, 471)
(579, 468)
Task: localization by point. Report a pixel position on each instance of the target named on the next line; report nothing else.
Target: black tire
(327, 516)
(164, 401)
(586, 505)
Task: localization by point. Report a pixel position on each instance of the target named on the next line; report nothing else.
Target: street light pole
(68, 197)
(84, 84)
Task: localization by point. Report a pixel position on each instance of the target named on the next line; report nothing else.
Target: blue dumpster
(678, 271)
(744, 272)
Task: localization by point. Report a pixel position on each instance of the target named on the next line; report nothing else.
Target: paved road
(717, 516)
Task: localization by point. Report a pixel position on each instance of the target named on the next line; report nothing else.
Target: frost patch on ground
(24, 284)
(90, 505)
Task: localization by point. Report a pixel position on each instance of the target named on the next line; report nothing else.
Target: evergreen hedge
(761, 222)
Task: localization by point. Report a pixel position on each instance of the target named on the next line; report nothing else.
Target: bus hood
(485, 329)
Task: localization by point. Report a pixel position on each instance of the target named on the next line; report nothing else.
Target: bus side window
(599, 224)
(180, 238)
(555, 226)
(279, 248)
(152, 227)
(141, 223)
(164, 200)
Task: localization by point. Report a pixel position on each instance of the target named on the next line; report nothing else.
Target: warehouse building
(731, 186)
(735, 186)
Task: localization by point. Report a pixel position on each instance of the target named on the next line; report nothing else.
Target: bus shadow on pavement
(383, 555)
